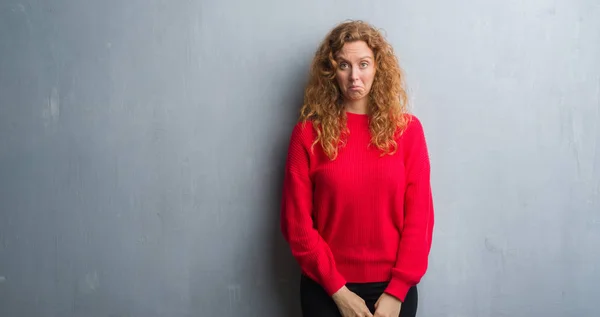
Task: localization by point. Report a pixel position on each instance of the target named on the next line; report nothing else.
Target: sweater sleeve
(307, 246)
(415, 241)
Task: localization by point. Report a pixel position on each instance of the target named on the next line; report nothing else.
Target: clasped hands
(352, 305)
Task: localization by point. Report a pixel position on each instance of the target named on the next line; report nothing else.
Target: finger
(378, 301)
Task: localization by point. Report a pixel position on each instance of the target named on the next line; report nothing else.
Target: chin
(355, 97)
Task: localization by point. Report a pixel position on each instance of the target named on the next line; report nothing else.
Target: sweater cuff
(398, 289)
(334, 284)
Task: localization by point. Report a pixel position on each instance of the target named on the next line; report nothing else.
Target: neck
(356, 106)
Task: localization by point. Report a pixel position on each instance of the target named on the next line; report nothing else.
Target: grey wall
(142, 145)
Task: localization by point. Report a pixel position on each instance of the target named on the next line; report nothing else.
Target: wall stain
(89, 283)
(51, 111)
(234, 292)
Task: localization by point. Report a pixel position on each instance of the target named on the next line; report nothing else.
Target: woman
(357, 207)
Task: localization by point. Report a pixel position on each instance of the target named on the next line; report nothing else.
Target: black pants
(316, 303)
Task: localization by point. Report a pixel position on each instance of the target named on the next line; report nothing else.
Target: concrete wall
(142, 145)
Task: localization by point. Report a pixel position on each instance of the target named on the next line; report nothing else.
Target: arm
(307, 246)
(415, 240)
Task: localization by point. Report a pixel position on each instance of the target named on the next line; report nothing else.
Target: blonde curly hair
(387, 99)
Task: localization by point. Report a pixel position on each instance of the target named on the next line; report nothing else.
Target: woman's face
(355, 71)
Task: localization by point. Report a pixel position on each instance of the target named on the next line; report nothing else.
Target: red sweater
(362, 217)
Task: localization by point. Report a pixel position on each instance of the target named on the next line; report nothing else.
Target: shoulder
(303, 130)
(302, 135)
(413, 128)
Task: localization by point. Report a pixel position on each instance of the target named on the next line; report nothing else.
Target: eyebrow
(364, 57)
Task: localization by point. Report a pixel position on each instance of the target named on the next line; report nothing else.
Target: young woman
(357, 207)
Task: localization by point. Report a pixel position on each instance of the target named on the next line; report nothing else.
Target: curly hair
(387, 104)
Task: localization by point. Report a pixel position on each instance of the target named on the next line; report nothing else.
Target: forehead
(352, 50)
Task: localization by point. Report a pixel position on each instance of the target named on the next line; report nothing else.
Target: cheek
(370, 76)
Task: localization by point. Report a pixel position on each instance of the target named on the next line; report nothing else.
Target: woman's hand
(350, 304)
(387, 306)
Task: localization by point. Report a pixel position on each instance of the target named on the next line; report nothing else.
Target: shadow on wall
(262, 278)
(285, 277)
(285, 272)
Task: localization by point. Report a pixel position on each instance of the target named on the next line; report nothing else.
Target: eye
(364, 64)
(343, 65)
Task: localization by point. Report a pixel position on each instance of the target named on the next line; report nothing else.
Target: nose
(353, 74)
